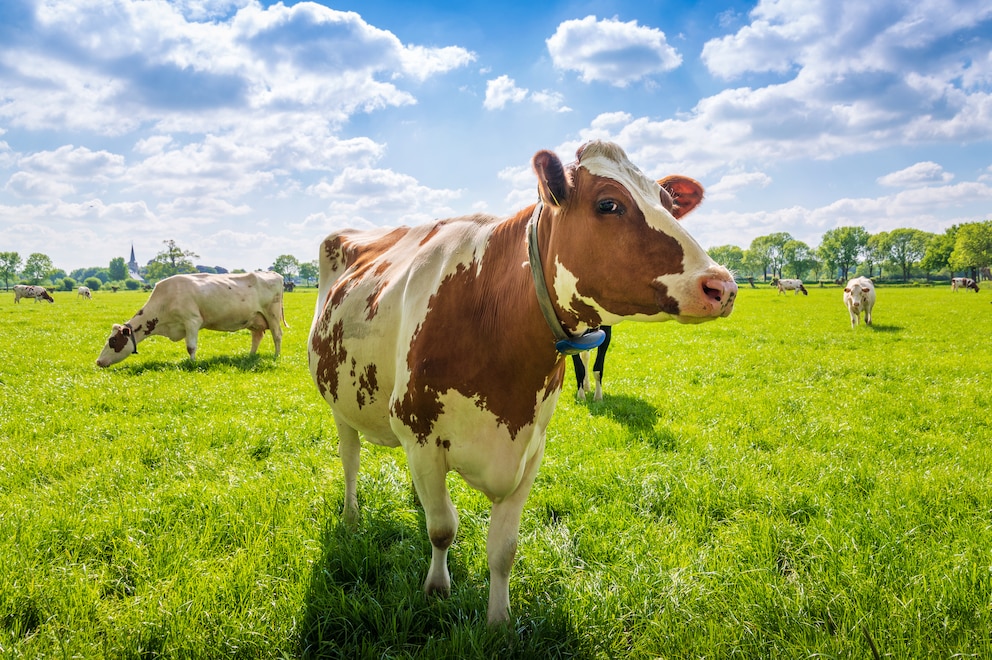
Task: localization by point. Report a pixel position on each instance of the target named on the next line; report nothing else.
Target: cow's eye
(610, 207)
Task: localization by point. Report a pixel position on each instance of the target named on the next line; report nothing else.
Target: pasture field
(772, 485)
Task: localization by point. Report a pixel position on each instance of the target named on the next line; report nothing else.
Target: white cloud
(502, 90)
(920, 174)
(728, 186)
(611, 51)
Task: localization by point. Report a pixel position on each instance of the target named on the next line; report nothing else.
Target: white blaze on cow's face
(119, 345)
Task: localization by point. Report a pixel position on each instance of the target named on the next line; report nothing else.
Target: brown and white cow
(85, 292)
(433, 338)
(31, 291)
(963, 283)
(181, 305)
(859, 296)
(791, 285)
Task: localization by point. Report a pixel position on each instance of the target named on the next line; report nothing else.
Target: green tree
(10, 263)
(118, 270)
(287, 266)
(171, 261)
(906, 247)
(972, 247)
(937, 256)
(841, 247)
(798, 258)
(876, 252)
(37, 267)
(768, 251)
(93, 283)
(729, 256)
(309, 271)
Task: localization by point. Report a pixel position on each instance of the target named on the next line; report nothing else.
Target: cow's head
(44, 295)
(616, 250)
(121, 343)
(857, 294)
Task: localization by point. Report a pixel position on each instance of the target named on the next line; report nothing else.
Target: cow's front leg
(501, 545)
(428, 471)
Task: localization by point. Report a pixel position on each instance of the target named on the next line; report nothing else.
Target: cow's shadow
(365, 600)
(246, 363)
(633, 413)
(883, 327)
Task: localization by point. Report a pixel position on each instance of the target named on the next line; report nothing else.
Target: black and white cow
(963, 283)
(31, 291)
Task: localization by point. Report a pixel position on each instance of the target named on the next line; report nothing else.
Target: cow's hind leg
(580, 363)
(442, 517)
(349, 447)
(501, 545)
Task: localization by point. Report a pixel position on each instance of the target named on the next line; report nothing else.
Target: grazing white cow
(181, 305)
(31, 291)
(85, 292)
(963, 283)
(859, 295)
(449, 339)
(792, 285)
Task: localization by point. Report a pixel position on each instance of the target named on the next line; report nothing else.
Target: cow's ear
(686, 193)
(126, 330)
(847, 290)
(552, 184)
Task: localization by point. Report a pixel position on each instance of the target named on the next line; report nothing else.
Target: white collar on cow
(565, 343)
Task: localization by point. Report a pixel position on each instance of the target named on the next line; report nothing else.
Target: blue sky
(246, 130)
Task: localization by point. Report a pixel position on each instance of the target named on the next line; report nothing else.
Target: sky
(245, 130)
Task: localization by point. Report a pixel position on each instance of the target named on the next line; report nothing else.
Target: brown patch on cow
(429, 235)
(117, 341)
(328, 346)
(482, 332)
(364, 383)
(149, 326)
(443, 443)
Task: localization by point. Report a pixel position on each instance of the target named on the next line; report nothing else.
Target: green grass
(771, 485)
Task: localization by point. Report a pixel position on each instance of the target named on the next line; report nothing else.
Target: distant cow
(449, 338)
(791, 285)
(181, 305)
(963, 283)
(31, 291)
(580, 362)
(859, 295)
(85, 292)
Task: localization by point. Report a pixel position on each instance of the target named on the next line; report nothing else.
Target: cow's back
(226, 302)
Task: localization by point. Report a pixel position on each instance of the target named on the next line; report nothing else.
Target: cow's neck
(566, 343)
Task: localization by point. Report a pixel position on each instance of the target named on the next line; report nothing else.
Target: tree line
(173, 260)
(846, 251)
